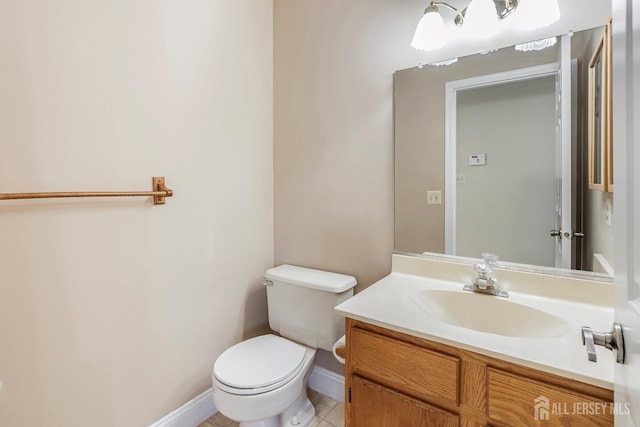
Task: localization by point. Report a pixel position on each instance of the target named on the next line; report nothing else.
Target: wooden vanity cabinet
(375, 405)
(397, 380)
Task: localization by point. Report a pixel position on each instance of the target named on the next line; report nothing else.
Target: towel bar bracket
(158, 185)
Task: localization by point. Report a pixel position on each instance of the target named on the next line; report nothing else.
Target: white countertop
(386, 304)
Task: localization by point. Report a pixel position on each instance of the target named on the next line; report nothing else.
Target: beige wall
(113, 311)
(333, 133)
(333, 139)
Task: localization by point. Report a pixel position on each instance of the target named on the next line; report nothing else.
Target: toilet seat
(258, 365)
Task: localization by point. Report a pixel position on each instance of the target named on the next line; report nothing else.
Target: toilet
(262, 382)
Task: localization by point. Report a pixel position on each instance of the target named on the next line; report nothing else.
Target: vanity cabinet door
(410, 369)
(373, 405)
(520, 401)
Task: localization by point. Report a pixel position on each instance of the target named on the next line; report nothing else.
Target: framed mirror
(421, 196)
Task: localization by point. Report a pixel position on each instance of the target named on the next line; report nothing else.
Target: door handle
(572, 234)
(613, 340)
(565, 234)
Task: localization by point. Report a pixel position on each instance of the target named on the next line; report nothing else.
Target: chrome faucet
(484, 283)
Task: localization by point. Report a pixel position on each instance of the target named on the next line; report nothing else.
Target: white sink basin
(489, 314)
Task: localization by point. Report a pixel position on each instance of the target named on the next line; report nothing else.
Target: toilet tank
(301, 302)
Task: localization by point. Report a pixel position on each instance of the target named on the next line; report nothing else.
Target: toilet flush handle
(267, 283)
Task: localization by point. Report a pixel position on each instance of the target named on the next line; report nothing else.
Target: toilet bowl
(262, 382)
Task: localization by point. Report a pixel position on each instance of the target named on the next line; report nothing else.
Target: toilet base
(299, 414)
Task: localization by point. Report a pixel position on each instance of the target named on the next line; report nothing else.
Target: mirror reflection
(491, 155)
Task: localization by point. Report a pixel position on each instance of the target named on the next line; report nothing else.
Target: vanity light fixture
(430, 32)
(480, 19)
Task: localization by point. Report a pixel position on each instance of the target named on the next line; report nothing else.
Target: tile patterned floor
(329, 413)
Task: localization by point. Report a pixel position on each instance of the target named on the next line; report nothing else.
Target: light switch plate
(434, 197)
(477, 159)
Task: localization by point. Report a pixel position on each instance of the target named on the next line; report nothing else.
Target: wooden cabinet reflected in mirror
(599, 116)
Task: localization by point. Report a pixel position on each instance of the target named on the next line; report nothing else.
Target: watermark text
(544, 408)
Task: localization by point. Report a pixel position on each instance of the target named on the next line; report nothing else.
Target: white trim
(451, 89)
(200, 408)
(450, 169)
(601, 265)
(192, 413)
(626, 215)
(566, 171)
(327, 382)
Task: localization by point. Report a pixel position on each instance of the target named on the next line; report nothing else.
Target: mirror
(506, 162)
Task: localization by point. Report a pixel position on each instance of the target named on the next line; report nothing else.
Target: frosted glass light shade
(534, 14)
(481, 19)
(430, 32)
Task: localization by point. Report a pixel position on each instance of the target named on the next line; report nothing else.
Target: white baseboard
(191, 413)
(327, 382)
(201, 407)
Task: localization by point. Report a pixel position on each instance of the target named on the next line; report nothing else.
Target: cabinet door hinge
(349, 396)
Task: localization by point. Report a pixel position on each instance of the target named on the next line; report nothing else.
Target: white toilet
(262, 382)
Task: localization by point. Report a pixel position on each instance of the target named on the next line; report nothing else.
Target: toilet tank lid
(310, 278)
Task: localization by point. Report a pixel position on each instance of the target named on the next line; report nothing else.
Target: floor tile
(219, 420)
(329, 413)
(324, 406)
(336, 416)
